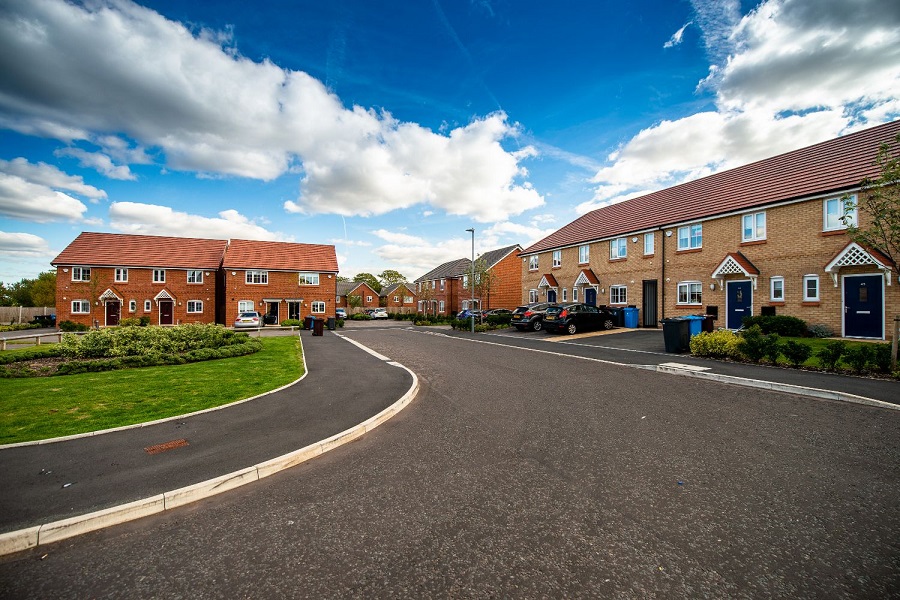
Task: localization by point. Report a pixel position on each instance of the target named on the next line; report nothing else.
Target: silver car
(249, 319)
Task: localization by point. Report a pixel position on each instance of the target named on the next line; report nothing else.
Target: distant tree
(370, 279)
(342, 278)
(354, 301)
(390, 277)
(5, 296)
(43, 290)
(485, 279)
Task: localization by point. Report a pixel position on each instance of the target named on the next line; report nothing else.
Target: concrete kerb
(24, 539)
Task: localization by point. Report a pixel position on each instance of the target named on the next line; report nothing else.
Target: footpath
(58, 489)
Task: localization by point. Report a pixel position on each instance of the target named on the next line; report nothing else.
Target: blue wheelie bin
(631, 317)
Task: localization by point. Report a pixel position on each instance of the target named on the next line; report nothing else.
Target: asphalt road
(516, 474)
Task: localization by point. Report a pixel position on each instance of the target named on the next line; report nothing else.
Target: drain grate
(166, 446)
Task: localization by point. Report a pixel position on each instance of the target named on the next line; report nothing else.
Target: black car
(530, 316)
(572, 318)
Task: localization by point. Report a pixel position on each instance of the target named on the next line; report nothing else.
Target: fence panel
(14, 315)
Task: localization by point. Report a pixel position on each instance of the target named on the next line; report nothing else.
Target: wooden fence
(14, 315)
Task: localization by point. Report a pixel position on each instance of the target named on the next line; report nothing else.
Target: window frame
(196, 304)
(533, 262)
(148, 306)
(755, 235)
(533, 296)
(650, 236)
(159, 275)
(441, 306)
(81, 305)
(618, 290)
(557, 259)
(308, 278)
(584, 254)
(120, 275)
(565, 295)
(245, 302)
(618, 248)
(694, 242)
(84, 274)
(806, 296)
(840, 225)
(132, 306)
(777, 279)
(263, 277)
(688, 286)
(574, 294)
(317, 304)
(197, 275)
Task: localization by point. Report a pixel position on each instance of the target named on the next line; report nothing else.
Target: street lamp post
(472, 281)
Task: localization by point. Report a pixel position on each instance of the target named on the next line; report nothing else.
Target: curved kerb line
(24, 539)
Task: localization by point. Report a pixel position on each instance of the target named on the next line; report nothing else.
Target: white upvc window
(318, 306)
(690, 292)
(195, 306)
(257, 277)
(838, 214)
(649, 244)
(532, 296)
(396, 299)
(121, 275)
(132, 306)
(584, 254)
(810, 288)
(81, 307)
(309, 279)
(81, 273)
(443, 283)
(148, 306)
(565, 295)
(776, 289)
(246, 305)
(618, 248)
(368, 298)
(557, 258)
(574, 294)
(533, 263)
(441, 306)
(159, 275)
(690, 237)
(465, 282)
(753, 227)
(407, 299)
(195, 276)
(618, 294)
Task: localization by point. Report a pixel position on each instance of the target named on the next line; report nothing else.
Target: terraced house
(104, 277)
(765, 237)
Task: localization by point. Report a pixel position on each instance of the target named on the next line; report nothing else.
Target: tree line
(30, 292)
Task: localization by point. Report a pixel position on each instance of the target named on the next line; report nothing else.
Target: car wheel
(537, 325)
(608, 324)
(572, 328)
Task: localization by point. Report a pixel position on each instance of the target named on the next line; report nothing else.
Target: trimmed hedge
(783, 325)
(37, 352)
(136, 341)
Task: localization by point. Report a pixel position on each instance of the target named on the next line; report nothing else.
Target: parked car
(340, 313)
(249, 319)
(496, 311)
(467, 314)
(530, 316)
(269, 319)
(378, 313)
(575, 317)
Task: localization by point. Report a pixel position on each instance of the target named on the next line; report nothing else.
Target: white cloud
(23, 256)
(152, 219)
(21, 199)
(23, 245)
(50, 176)
(789, 74)
(677, 36)
(506, 233)
(208, 109)
(100, 162)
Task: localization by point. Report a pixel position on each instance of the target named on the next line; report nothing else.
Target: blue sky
(389, 128)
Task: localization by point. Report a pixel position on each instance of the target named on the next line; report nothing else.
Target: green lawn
(817, 344)
(46, 407)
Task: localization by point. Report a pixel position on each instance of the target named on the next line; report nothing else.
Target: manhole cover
(166, 446)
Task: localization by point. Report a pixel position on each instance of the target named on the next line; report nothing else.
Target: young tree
(370, 279)
(354, 301)
(390, 277)
(43, 289)
(485, 279)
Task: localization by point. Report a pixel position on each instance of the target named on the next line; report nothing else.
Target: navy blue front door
(551, 295)
(863, 306)
(590, 296)
(739, 297)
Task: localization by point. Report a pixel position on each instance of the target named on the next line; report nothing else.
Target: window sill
(753, 243)
(810, 303)
(690, 306)
(688, 250)
(649, 255)
(832, 232)
(776, 302)
(613, 260)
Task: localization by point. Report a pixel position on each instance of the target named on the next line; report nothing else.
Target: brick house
(281, 280)
(368, 297)
(764, 237)
(399, 298)
(445, 289)
(104, 277)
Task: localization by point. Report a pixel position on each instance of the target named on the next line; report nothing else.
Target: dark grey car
(530, 316)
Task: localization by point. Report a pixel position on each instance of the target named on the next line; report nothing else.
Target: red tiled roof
(589, 275)
(831, 166)
(280, 256)
(121, 250)
(549, 279)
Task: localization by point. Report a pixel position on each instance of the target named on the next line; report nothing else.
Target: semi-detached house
(104, 277)
(765, 237)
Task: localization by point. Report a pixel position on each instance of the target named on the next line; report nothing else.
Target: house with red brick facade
(399, 298)
(102, 278)
(767, 237)
(281, 280)
(445, 290)
(347, 290)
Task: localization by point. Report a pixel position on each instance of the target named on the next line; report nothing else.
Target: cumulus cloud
(205, 108)
(412, 254)
(789, 74)
(100, 162)
(153, 219)
(50, 176)
(21, 199)
(19, 245)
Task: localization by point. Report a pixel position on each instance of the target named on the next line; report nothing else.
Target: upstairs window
(690, 237)
(81, 274)
(618, 248)
(121, 275)
(838, 214)
(309, 279)
(533, 263)
(195, 276)
(443, 282)
(159, 275)
(754, 227)
(649, 244)
(257, 277)
(557, 258)
(584, 254)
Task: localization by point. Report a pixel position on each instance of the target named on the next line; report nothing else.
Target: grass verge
(47, 407)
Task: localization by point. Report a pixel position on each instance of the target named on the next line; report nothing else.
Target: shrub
(821, 331)
(772, 348)
(130, 322)
(72, 326)
(881, 358)
(797, 353)
(753, 344)
(19, 327)
(858, 357)
(291, 323)
(48, 350)
(831, 353)
(500, 320)
(716, 344)
(780, 324)
(360, 317)
(145, 321)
